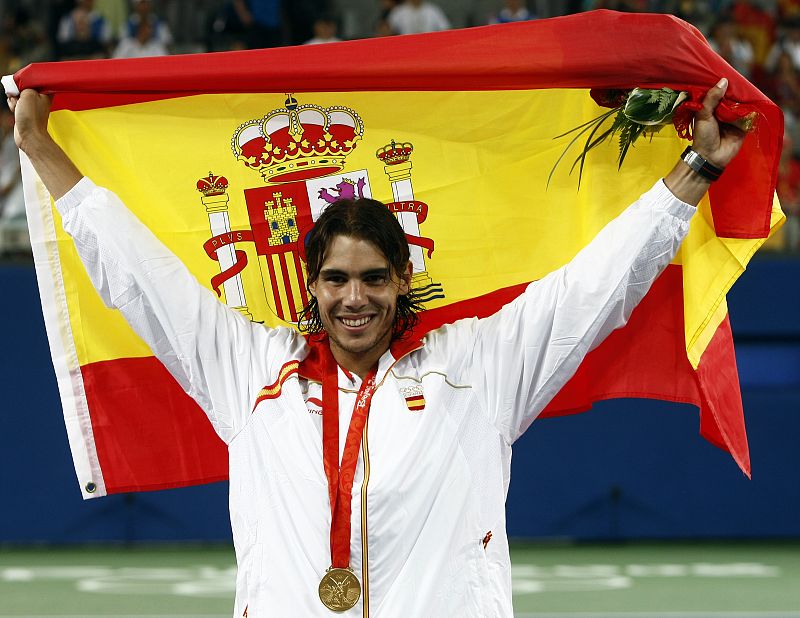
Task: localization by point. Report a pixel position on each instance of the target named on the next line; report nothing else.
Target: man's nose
(355, 294)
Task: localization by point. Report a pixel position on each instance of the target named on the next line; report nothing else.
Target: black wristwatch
(701, 166)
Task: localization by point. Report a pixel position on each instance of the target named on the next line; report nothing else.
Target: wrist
(701, 164)
(54, 167)
(35, 143)
(686, 184)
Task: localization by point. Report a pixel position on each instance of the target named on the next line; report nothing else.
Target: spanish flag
(229, 158)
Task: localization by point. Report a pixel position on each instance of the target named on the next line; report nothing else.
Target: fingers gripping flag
(229, 158)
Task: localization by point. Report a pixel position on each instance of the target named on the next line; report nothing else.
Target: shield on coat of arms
(280, 217)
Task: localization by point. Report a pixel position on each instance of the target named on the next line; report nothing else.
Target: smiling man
(391, 502)
(359, 274)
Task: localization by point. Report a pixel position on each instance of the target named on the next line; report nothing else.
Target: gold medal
(339, 589)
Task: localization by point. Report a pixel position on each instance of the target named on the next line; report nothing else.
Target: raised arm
(218, 357)
(518, 359)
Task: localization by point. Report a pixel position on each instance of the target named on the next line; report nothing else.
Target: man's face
(357, 292)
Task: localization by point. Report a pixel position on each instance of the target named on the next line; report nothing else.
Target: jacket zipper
(364, 484)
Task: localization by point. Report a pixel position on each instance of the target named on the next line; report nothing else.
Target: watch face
(700, 166)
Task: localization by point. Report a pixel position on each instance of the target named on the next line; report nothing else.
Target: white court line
(688, 614)
(659, 614)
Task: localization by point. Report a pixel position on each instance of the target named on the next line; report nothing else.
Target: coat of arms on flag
(301, 152)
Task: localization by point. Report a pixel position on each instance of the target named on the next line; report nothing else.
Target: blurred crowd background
(759, 38)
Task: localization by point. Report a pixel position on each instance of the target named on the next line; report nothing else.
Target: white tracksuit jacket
(437, 477)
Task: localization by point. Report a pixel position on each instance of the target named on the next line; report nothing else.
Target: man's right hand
(31, 111)
(56, 170)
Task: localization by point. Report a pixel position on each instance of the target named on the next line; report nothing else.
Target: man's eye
(375, 279)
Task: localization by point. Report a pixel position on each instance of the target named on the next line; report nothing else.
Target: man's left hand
(716, 142)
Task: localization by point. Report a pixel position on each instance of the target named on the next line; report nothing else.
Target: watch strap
(700, 165)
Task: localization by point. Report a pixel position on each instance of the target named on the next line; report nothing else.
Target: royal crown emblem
(298, 142)
(394, 153)
(212, 185)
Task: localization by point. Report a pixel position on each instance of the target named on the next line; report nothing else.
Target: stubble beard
(363, 347)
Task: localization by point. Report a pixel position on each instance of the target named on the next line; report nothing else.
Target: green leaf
(592, 121)
(584, 128)
(590, 144)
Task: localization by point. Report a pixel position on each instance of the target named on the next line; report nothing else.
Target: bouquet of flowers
(633, 113)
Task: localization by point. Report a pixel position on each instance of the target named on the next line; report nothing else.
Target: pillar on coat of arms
(397, 160)
(216, 205)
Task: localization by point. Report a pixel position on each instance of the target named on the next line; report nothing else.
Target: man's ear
(312, 287)
(405, 279)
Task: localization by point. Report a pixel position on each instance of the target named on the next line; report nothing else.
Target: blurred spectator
(115, 13)
(386, 7)
(736, 50)
(789, 43)
(755, 25)
(324, 31)
(7, 60)
(144, 44)
(627, 6)
(25, 40)
(699, 13)
(416, 16)
(83, 33)
(383, 28)
(513, 10)
(788, 190)
(262, 21)
(158, 30)
(785, 87)
(788, 10)
(249, 24)
(300, 16)
(56, 10)
(13, 225)
(225, 30)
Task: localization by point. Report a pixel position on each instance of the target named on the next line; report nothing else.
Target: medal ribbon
(340, 479)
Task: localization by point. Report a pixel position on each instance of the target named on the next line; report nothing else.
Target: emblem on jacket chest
(414, 397)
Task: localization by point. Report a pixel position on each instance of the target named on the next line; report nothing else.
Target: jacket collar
(312, 367)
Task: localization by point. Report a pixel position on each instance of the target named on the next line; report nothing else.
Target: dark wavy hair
(365, 219)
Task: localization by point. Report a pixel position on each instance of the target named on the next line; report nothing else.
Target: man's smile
(355, 322)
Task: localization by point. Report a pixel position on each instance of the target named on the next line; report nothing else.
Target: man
(398, 512)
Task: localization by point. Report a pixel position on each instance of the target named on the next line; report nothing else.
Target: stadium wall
(625, 470)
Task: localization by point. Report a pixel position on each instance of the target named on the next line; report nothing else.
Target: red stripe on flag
(301, 281)
(722, 415)
(138, 449)
(287, 286)
(273, 279)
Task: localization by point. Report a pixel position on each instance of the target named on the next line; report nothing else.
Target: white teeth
(358, 322)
